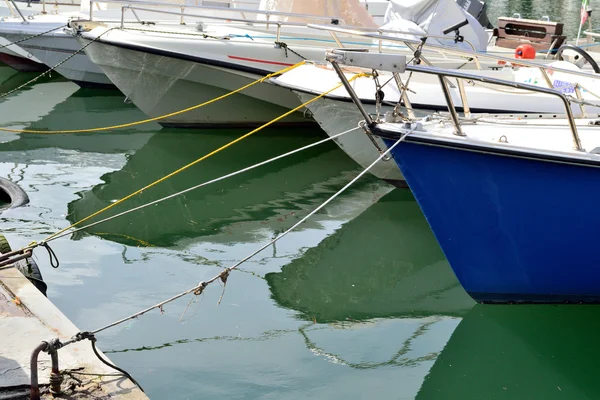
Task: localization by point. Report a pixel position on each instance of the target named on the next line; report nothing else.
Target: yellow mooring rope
(145, 121)
(164, 178)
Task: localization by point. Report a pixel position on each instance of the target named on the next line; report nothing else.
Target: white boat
(52, 48)
(487, 187)
(19, 59)
(336, 112)
(167, 72)
(23, 12)
(163, 71)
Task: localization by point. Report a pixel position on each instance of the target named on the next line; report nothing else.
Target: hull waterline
(22, 64)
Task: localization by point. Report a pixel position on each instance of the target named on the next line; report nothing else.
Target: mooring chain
(203, 35)
(31, 37)
(56, 66)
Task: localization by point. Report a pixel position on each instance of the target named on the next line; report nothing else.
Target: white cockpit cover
(432, 17)
(350, 11)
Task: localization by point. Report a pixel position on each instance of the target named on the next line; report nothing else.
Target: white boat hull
(53, 49)
(165, 81)
(336, 116)
(19, 59)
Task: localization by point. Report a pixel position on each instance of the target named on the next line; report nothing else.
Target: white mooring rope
(279, 157)
(198, 289)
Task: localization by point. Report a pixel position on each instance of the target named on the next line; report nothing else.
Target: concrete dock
(28, 318)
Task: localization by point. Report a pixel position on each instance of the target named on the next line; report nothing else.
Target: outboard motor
(478, 9)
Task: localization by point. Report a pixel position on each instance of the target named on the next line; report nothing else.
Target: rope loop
(53, 258)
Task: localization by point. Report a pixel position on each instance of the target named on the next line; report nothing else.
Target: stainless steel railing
(18, 11)
(467, 54)
(335, 56)
(134, 5)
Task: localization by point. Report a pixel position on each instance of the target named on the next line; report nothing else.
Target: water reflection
(519, 352)
(59, 105)
(353, 275)
(81, 109)
(11, 79)
(268, 198)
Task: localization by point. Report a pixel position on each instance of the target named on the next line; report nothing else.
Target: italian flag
(584, 11)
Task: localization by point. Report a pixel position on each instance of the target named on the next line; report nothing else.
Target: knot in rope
(78, 337)
(224, 275)
(200, 288)
(285, 48)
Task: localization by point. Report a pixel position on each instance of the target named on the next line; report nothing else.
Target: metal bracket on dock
(56, 378)
(14, 256)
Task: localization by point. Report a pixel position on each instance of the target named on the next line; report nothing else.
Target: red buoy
(525, 51)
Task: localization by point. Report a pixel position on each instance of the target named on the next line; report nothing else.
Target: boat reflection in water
(31, 102)
(267, 199)
(78, 109)
(381, 275)
(519, 352)
(353, 274)
(11, 79)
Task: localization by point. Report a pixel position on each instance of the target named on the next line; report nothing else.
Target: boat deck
(26, 319)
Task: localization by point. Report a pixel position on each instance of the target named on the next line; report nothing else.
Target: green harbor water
(359, 303)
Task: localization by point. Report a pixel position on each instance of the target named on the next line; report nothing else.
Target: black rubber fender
(27, 267)
(12, 194)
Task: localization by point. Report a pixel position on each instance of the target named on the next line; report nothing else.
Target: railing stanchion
(546, 77)
(278, 31)
(477, 63)
(337, 39)
(463, 98)
(19, 11)
(580, 98)
(136, 16)
(352, 93)
(453, 114)
(404, 96)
